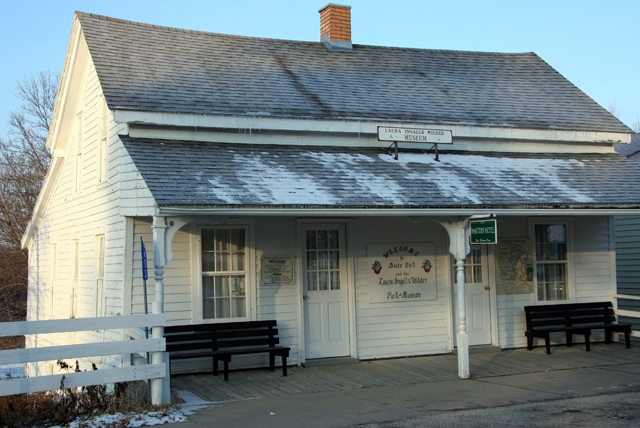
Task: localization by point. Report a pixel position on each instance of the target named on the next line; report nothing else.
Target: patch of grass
(62, 406)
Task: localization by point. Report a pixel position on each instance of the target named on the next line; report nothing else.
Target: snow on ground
(119, 420)
(129, 421)
(11, 371)
(191, 404)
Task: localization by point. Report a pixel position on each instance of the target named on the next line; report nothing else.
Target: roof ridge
(239, 36)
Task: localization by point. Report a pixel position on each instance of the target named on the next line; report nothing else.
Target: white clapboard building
(328, 185)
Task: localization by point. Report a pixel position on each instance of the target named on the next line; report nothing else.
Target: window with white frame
(551, 261)
(100, 298)
(75, 274)
(224, 273)
(102, 143)
(78, 160)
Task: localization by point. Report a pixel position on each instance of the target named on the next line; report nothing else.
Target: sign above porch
(414, 135)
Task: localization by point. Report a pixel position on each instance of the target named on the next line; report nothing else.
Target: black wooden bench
(223, 340)
(573, 318)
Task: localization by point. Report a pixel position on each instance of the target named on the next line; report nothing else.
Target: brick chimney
(335, 27)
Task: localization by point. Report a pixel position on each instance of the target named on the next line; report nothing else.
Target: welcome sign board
(401, 272)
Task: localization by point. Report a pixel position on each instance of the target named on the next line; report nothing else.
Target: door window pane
(334, 260)
(311, 281)
(335, 280)
(323, 281)
(322, 239)
(472, 266)
(323, 260)
(312, 262)
(332, 236)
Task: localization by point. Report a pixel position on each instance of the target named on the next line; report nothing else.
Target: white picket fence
(82, 350)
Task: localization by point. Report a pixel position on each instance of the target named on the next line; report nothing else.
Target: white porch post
(462, 337)
(159, 260)
(459, 247)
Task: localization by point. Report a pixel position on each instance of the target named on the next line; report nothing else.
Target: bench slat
(224, 334)
(234, 343)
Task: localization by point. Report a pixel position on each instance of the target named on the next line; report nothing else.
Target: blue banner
(145, 273)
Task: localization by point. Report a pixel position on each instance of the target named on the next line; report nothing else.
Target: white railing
(625, 312)
(82, 350)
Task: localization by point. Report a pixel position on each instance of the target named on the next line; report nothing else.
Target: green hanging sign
(483, 232)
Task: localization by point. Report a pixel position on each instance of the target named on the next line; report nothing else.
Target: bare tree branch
(24, 160)
(614, 110)
(636, 125)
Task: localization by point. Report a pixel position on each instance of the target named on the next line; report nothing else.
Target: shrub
(62, 406)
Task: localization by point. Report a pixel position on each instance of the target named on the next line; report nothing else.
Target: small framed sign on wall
(276, 271)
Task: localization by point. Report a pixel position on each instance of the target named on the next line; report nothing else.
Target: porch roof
(199, 174)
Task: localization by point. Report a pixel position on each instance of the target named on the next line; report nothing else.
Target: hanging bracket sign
(483, 232)
(414, 135)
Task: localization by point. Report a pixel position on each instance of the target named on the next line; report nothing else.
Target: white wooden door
(325, 291)
(477, 296)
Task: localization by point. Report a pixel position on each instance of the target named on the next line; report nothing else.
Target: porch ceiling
(196, 174)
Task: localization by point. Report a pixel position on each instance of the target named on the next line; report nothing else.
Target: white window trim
(103, 147)
(74, 285)
(571, 283)
(251, 267)
(100, 270)
(54, 272)
(77, 180)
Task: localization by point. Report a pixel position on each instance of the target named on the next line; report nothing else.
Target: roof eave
(323, 211)
(358, 126)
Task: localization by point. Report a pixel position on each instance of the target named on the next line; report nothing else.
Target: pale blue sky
(594, 43)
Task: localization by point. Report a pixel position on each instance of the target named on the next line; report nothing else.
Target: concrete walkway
(388, 390)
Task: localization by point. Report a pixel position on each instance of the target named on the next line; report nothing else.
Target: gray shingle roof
(213, 174)
(630, 150)
(159, 69)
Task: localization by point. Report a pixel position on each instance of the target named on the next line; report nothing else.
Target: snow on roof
(213, 174)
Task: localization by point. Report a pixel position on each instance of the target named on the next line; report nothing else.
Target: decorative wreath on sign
(426, 266)
(377, 267)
